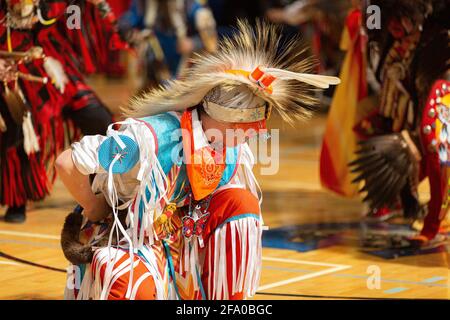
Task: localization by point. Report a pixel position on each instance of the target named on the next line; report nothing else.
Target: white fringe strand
(246, 278)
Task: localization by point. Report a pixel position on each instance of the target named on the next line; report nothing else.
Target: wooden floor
(32, 264)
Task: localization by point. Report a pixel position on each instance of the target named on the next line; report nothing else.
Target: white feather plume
(316, 80)
(30, 139)
(56, 72)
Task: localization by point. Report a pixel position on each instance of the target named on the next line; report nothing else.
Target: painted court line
(427, 282)
(29, 235)
(434, 279)
(430, 282)
(9, 263)
(312, 263)
(395, 290)
(331, 269)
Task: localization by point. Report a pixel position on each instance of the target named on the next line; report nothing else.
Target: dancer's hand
(98, 209)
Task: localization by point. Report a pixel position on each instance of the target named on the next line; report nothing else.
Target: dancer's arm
(95, 207)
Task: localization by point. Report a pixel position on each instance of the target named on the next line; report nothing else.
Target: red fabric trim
(327, 174)
(437, 173)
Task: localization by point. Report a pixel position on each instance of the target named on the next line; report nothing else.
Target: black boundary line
(9, 257)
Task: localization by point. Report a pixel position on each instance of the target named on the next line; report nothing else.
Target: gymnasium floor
(316, 247)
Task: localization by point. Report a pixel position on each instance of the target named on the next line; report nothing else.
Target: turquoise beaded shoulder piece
(129, 155)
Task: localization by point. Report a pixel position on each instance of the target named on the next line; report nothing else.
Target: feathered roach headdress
(251, 60)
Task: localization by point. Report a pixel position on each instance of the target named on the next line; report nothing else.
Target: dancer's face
(227, 133)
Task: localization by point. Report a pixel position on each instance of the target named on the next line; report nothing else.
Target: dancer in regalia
(405, 139)
(174, 209)
(42, 87)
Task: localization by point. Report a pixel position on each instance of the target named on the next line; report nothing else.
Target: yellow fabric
(339, 136)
